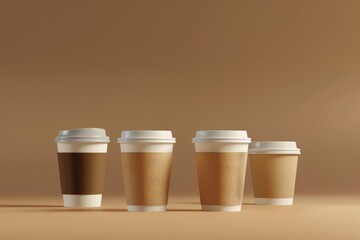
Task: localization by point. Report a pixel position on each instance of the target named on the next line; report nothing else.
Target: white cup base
(221, 208)
(82, 200)
(274, 201)
(142, 208)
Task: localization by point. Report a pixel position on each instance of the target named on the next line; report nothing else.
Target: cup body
(82, 168)
(221, 166)
(273, 171)
(146, 163)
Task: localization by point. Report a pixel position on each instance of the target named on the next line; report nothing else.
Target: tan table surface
(323, 217)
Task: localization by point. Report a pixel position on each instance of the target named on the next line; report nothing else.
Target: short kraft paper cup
(221, 157)
(273, 169)
(82, 157)
(146, 157)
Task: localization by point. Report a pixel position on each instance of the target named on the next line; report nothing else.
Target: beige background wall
(282, 70)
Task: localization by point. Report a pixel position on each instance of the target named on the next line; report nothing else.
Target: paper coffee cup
(82, 165)
(146, 159)
(273, 169)
(221, 157)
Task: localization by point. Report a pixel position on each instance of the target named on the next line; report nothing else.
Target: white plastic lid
(273, 147)
(158, 136)
(237, 136)
(83, 135)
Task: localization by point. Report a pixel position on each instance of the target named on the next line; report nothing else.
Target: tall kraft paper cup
(273, 169)
(221, 157)
(146, 159)
(82, 165)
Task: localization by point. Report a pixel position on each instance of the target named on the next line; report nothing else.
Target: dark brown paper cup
(82, 165)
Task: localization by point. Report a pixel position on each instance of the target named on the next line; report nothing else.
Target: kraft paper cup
(221, 157)
(146, 158)
(82, 165)
(273, 170)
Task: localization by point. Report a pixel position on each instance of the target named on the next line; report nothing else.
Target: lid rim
(146, 138)
(128, 135)
(83, 140)
(296, 151)
(273, 147)
(221, 136)
(82, 135)
(203, 140)
(133, 140)
(277, 152)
